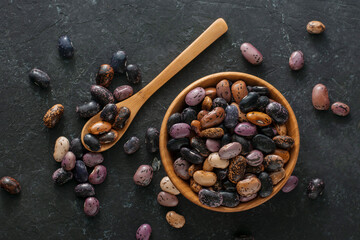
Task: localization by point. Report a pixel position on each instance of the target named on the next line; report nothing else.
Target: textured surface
(153, 33)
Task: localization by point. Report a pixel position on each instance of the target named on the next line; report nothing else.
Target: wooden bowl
(179, 104)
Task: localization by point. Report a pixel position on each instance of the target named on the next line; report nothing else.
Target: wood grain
(210, 81)
(134, 103)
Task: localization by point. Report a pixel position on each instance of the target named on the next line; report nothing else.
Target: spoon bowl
(134, 103)
(179, 104)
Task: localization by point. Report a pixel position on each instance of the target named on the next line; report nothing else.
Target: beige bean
(167, 186)
(175, 220)
(205, 179)
(217, 162)
(62, 146)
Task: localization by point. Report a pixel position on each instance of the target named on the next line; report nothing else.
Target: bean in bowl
(231, 138)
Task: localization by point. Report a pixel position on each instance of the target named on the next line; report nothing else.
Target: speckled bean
(230, 199)
(143, 232)
(91, 206)
(121, 118)
(60, 176)
(10, 185)
(254, 158)
(143, 175)
(98, 175)
(291, 184)
(251, 54)
(181, 167)
(132, 145)
(213, 118)
(62, 146)
(175, 220)
(315, 27)
(239, 90)
(210, 198)
(217, 162)
(180, 130)
(92, 159)
(105, 75)
(232, 116)
(101, 95)
(109, 112)
(296, 60)
(340, 109)
(84, 190)
(53, 115)
(223, 90)
(230, 150)
(320, 97)
(167, 200)
(68, 161)
(123, 92)
(167, 186)
(88, 109)
(195, 96)
(245, 129)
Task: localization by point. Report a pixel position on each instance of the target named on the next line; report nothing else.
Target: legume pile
(231, 140)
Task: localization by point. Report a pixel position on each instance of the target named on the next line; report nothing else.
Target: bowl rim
(183, 186)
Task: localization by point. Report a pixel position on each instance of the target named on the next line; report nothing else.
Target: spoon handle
(218, 28)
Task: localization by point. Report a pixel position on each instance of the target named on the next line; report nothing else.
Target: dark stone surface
(153, 33)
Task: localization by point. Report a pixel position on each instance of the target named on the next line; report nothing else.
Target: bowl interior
(179, 104)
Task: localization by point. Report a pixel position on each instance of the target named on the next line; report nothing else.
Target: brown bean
(211, 92)
(206, 104)
(315, 27)
(320, 97)
(239, 90)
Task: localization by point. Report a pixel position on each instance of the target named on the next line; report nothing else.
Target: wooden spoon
(135, 102)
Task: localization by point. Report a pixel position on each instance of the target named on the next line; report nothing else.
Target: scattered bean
(152, 140)
(84, 190)
(60, 176)
(118, 61)
(251, 54)
(39, 78)
(175, 220)
(296, 60)
(320, 97)
(132, 145)
(133, 73)
(10, 185)
(65, 47)
(92, 159)
(53, 115)
(340, 109)
(143, 232)
(291, 184)
(315, 188)
(62, 146)
(167, 200)
(91, 206)
(315, 27)
(143, 175)
(167, 186)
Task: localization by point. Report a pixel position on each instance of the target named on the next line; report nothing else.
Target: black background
(153, 33)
